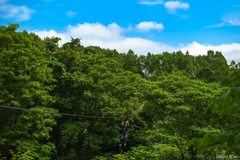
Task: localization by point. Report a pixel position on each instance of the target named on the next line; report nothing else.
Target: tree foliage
(165, 97)
(228, 103)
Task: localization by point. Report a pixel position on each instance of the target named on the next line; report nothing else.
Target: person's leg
(121, 142)
(125, 141)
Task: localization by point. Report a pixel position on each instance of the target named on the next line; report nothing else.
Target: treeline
(168, 93)
(212, 67)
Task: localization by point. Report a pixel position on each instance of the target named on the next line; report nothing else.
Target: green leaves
(213, 148)
(145, 153)
(236, 74)
(73, 79)
(176, 105)
(205, 141)
(25, 81)
(22, 155)
(192, 141)
(97, 86)
(227, 103)
(225, 139)
(211, 138)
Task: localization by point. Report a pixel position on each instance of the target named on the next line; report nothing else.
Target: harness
(124, 133)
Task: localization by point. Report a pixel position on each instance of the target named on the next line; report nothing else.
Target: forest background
(167, 95)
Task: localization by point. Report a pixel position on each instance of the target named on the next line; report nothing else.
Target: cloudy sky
(141, 25)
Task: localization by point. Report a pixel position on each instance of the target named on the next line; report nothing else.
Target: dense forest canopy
(166, 96)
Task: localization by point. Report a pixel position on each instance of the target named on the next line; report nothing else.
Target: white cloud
(232, 18)
(64, 37)
(233, 21)
(229, 19)
(146, 26)
(230, 51)
(96, 31)
(111, 37)
(20, 13)
(216, 25)
(71, 14)
(149, 3)
(172, 6)
(138, 45)
(2, 1)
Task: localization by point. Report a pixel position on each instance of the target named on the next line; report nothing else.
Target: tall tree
(25, 80)
(91, 85)
(177, 103)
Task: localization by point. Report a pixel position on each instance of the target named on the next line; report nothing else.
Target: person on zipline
(125, 128)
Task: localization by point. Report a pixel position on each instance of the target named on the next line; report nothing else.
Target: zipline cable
(129, 111)
(65, 114)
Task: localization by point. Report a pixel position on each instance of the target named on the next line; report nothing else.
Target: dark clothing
(124, 134)
(122, 141)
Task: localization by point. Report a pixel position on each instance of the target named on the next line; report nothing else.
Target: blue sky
(141, 25)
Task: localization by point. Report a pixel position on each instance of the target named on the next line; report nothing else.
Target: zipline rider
(125, 128)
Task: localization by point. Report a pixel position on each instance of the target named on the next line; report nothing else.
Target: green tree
(229, 139)
(75, 45)
(206, 75)
(176, 104)
(25, 80)
(91, 85)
